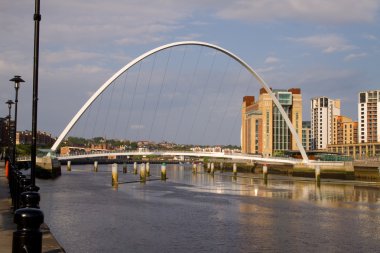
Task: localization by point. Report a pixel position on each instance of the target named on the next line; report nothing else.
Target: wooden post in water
(163, 172)
(114, 175)
(96, 166)
(265, 173)
(142, 173)
(147, 169)
(234, 169)
(124, 168)
(318, 175)
(135, 168)
(68, 165)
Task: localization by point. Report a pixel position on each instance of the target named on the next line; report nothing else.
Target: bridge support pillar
(147, 169)
(142, 173)
(68, 166)
(163, 172)
(208, 167)
(114, 175)
(124, 168)
(212, 169)
(194, 168)
(221, 167)
(135, 168)
(96, 166)
(318, 175)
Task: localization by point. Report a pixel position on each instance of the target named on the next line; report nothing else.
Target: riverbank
(7, 227)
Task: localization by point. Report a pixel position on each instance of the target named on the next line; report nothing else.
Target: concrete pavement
(7, 227)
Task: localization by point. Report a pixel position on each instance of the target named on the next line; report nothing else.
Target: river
(203, 213)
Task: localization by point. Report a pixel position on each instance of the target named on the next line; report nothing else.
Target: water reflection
(247, 184)
(195, 212)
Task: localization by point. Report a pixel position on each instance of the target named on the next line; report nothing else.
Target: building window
(362, 97)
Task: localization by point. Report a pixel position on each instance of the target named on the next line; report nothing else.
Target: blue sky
(326, 48)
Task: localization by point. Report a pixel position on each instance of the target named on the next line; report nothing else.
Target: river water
(200, 213)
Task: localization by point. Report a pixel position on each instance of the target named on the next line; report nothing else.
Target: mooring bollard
(147, 170)
(124, 168)
(68, 165)
(114, 175)
(30, 199)
(265, 173)
(96, 166)
(27, 237)
(318, 175)
(163, 171)
(234, 169)
(212, 169)
(17, 200)
(135, 168)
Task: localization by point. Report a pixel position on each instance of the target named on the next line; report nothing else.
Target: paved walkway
(7, 227)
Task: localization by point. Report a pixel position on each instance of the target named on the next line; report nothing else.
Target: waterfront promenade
(7, 227)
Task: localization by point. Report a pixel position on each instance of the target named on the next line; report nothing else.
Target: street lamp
(17, 80)
(10, 103)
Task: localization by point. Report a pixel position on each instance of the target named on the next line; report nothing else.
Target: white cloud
(319, 11)
(271, 60)
(265, 70)
(370, 37)
(69, 56)
(137, 126)
(354, 56)
(191, 36)
(329, 43)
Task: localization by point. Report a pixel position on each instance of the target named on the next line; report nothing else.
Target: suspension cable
(188, 91)
(237, 115)
(146, 93)
(133, 100)
(108, 108)
(228, 105)
(96, 115)
(159, 96)
(202, 95)
(172, 97)
(216, 98)
(120, 105)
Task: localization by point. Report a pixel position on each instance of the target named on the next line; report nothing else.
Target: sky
(326, 48)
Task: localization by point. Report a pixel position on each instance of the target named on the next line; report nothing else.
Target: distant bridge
(232, 156)
(187, 43)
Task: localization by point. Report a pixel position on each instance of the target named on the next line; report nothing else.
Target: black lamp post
(17, 80)
(28, 237)
(10, 103)
(37, 19)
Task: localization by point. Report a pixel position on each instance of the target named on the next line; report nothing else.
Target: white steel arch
(175, 44)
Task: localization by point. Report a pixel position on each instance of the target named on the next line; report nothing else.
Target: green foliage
(76, 141)
(23, 149)
(279, 153)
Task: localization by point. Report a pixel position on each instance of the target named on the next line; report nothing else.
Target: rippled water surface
(200, 213)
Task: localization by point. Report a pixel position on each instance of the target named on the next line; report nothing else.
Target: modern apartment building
(369, 117)
(263, 129)
(306, 135)
(345, 130)
(323, 112)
